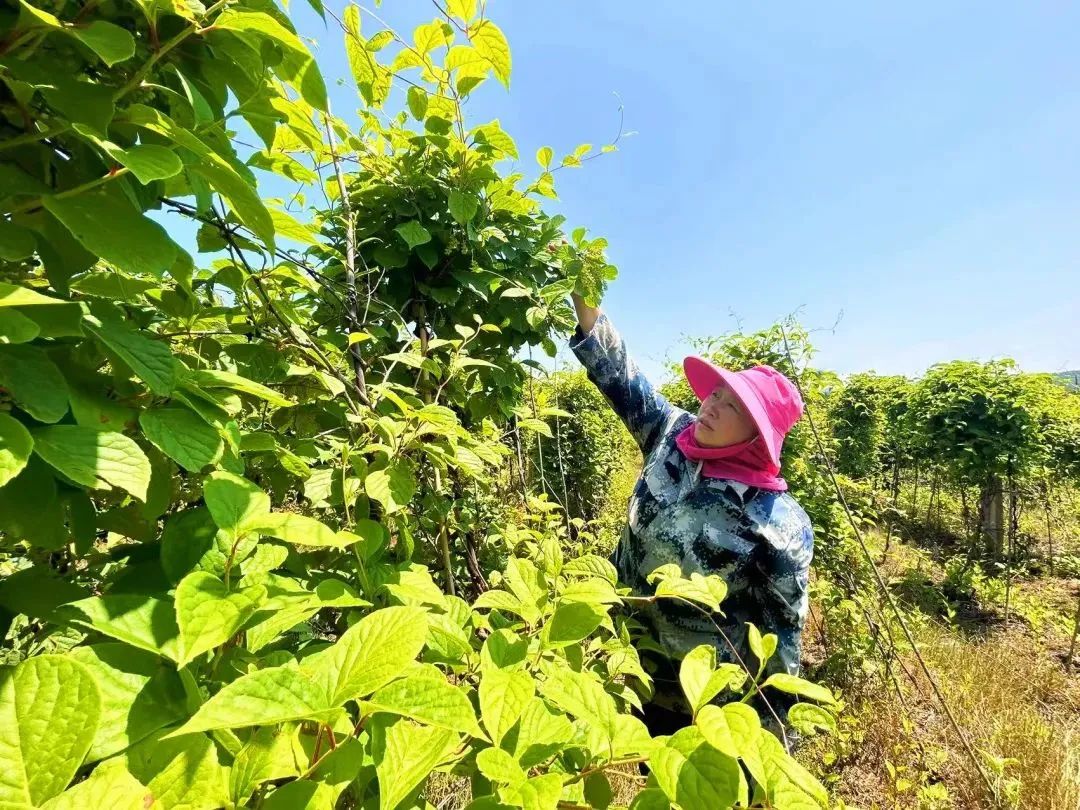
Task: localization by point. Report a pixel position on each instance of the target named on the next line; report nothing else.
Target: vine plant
(223, 477)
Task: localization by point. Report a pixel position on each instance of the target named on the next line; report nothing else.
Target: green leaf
(139, 695)
(762, 647)
(111, 42)
(413, 233)
(650, 799)
(592, 565)
(261, 698)
(16, 444)
(598, 792)
(136, 619)
(49, 711)
(695, 775)
(542, 732)
(580, 695)
(543, 156)
(270, 753)
(795, 685)
(694, 673)
(34, 382)
(289, 227)
(787, 783)
(370, 654)
(151, 359)
(181, 773)
(463, 206)
(297, 67)
(807, 718)
(212, 378)
(427, 698)
(236, 504)
(418, 103)
(132, 242)
(732, 728)
(490, 42)
(16, 327)
(393, 487)
(30, 509)
(15, 243)
(406, 756)
(108, 786)
(208, 614)
(300, 530)
(504, 694)
(148, 162)
(498, 766)
(570, 623)
(94, 458)
(183, 436)
(464, 10)
(240, 194)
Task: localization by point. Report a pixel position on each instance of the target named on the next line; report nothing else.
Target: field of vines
(295, 513)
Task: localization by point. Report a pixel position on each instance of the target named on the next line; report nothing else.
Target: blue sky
(914, 167)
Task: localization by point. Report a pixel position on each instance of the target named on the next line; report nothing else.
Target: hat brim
(703, 378)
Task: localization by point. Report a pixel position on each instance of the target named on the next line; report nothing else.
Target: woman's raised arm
(646, 413)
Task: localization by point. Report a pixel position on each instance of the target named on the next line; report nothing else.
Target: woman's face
(722, 420)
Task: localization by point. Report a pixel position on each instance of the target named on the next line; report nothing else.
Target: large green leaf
(148, 162)
(30, 509)
(786, 783)
(212, 378)
(542, 732)
(413, 233)
(301, 530)
(392, 487)
(49, 711)
(192, 541)
(406, 756)
(183, 773)
(571, 622)
(16, 327)
(794, 685)
(297, 67)
(579, 694)
(262, 698)
(270, 753)
(139, 695)
(504, 694)
(696, 776)
(34, 382)
(732, 728)
(209, 614)
(151, 359)
(236, 504)
(94, 458)
(16, 243)
(131, 241)
(374, 651)
(110, 786)
(428, 698)
(111, 42)
(16, 444)
(136, 619)
(183, 436)
(490, 42)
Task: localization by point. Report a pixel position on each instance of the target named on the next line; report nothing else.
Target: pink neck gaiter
(747, 463)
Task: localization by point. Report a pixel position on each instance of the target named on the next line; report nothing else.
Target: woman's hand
(586, 315)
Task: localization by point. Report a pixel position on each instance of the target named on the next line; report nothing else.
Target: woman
(711, 500)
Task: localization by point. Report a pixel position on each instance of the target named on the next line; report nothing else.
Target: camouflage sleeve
(645, 413)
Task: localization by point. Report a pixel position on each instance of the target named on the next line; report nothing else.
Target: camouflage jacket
(759, 541)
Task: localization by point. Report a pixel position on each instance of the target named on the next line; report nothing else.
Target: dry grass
(1012, 701)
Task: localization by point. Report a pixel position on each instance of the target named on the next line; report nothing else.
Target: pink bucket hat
(770, 398)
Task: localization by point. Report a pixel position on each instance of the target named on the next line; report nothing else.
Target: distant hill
(1071, 379)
